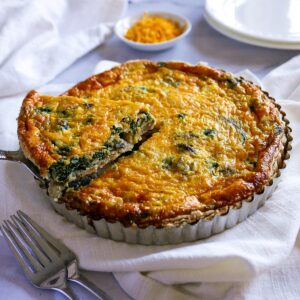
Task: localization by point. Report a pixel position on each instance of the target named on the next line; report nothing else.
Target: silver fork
(46, 262)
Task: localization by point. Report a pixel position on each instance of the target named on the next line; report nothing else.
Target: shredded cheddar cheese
(153, 29)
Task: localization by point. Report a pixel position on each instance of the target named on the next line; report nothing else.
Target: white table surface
(203, 44)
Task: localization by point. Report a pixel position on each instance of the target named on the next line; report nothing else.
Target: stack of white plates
(267, 23)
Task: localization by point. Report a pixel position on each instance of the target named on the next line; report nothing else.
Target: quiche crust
(220, 140)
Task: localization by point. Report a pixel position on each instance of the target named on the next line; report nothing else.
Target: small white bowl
(123, 25)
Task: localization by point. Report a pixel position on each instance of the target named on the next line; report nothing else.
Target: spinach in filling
(238, 128)
(233, 82)
(61, 170)
(43, 109)
(134, 124)
(64, 150)
(76, 184)
(181, 116)
(63, 125)
(184, 147)
(212, 165)
(180, 165)
(209, 132)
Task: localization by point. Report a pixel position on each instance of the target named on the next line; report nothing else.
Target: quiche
(69, 139)
(218, 140)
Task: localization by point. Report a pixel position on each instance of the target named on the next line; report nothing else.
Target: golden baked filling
(218, 140)
(68, 137)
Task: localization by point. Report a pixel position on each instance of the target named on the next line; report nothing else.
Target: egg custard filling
(70, 138)
(218, 140)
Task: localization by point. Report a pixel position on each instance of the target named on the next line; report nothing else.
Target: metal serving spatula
(19, 157)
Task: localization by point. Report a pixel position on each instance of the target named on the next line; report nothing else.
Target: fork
(46, 262)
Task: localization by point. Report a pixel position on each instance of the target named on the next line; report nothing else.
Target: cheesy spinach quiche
(218, 140)
(69, 138)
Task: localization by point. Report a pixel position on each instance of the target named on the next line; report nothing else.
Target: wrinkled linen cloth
(40, 39)
(250, 261)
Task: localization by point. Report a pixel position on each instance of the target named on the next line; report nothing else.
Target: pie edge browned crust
(37, 154)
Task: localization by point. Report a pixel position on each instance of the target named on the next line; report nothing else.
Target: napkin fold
(39, 39)
(214, 268)
(284, 81)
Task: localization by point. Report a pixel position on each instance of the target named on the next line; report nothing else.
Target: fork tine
(45, 236)
(16, 251)
(18, 241)
(30, 241)
(48, 249)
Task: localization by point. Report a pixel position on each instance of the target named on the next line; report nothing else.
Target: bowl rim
(187, 29)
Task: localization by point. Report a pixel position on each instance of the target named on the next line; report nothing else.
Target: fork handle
(67, 292)
(84, 282)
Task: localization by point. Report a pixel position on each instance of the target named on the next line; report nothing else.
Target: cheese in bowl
(152, 31)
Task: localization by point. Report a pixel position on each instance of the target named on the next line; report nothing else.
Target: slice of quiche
(70, 138)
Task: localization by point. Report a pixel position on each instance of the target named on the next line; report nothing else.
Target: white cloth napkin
(214, 268)
(39, 39)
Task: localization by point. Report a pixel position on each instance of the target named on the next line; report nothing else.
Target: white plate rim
(244, 33)
(247, 39)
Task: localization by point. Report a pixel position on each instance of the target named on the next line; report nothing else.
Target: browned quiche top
(217, 141)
